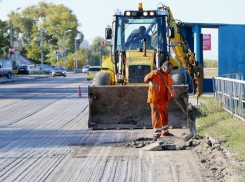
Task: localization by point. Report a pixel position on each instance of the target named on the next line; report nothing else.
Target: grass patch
(201, 97)
(240, 180)
(214, 121)
(208, 63)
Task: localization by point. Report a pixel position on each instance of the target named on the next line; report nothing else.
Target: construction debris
(139, 143)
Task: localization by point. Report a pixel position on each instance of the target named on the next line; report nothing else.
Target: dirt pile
(216, 162)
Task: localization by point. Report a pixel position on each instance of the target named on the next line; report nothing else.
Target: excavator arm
(186, 57)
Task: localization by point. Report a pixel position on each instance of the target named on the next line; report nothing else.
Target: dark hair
(142, 28)
(167, 64)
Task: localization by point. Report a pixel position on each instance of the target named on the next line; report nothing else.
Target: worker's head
(167, 67)
(142, 29)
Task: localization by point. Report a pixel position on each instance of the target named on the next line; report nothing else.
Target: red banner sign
(11, 49)
(207, 42)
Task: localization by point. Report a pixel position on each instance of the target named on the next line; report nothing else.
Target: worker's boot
(167, 134)
(155, 138)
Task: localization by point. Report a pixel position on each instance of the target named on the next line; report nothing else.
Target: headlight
(145, 13)
(152, 13)
(128, 13)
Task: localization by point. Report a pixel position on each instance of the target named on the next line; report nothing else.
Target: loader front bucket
(126, 107)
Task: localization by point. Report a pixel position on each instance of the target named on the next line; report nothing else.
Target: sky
(95, 15)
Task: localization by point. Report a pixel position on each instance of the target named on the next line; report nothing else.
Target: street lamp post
(63, 44)
(100, 58)
(93, 57)
(11, 34)
(42, 48)
(75, 64)
(11, 29)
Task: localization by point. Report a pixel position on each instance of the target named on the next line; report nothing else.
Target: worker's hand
(173, 95)
(158, 70)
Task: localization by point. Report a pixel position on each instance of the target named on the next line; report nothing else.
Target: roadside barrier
(229, 91)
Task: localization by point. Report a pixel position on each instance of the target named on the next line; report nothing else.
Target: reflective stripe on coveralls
(153, 84)
(165, 130)
(158, 97)
(157, 132)
(159, 113)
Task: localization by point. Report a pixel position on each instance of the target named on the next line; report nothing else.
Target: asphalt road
(44, 137)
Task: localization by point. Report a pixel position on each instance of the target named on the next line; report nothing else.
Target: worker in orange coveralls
(159, 96)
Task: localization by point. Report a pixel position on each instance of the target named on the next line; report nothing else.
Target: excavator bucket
(126, 107)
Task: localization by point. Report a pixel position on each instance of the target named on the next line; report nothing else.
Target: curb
(21, 79)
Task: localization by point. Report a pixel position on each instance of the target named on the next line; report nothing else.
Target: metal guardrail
(229, 91)
(237, 76)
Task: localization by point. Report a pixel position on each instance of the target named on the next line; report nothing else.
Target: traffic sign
(11, 49)
(57, 53)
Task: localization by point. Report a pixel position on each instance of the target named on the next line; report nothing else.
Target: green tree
(81, 59)
(4, 39)
(54, 21)
(94, 51)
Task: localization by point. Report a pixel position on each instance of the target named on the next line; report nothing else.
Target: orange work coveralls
(158, 97)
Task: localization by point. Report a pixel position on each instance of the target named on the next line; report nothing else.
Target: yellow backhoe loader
(117, 98)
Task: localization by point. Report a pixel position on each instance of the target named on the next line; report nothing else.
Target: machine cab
(140, 43)
(133, 27)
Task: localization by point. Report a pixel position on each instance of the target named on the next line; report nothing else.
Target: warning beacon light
(140, 7)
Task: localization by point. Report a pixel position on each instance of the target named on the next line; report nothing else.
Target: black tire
(9, 75)
(178, 77)
(102, 78)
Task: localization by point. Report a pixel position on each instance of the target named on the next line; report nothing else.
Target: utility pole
(74, 59)
(87, 56)
(42, 48)
(11, 39)
(63, 45)
(100, 58)
(76, 51)
(93, 57)
(57, 59)
(11, 33)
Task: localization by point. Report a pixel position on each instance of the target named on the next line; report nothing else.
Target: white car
(6, 68)
(85, 68)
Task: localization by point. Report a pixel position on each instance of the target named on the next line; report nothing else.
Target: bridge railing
(229, 91)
